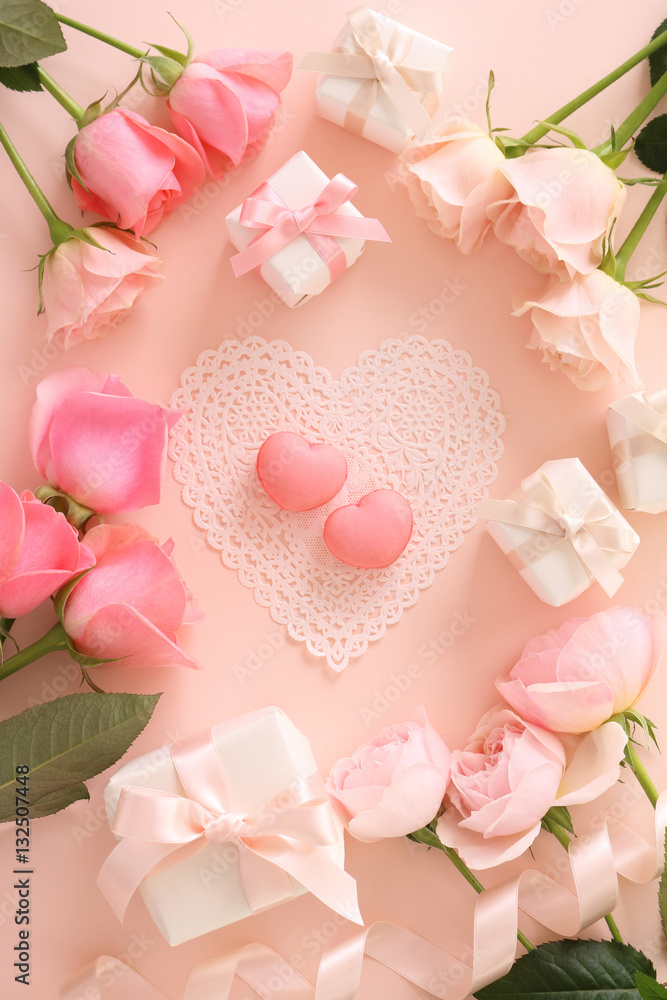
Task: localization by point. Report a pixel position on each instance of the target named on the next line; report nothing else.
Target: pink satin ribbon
(280, 838)
(379, 67)
(596, 862)
(543, 511)
(319, 223)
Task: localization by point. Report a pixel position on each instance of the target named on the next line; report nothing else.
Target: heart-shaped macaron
(370, 534)
(299, 475)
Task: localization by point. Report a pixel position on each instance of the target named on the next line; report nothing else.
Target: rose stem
(101, 36)
(63, 98)
(628, 127)
(539, 131)
(431, 839)
(632, 239)
(563, 839)
(55, 639)
(641, 773)
(58, 229)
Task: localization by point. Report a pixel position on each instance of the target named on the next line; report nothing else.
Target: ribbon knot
(382, 65)
(571, 526)
(304, 217)
(226, 826)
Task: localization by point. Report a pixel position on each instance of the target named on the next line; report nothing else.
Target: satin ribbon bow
(543, 511)
(319, 223)
(650, 414)
(380, 69)
(281, 838)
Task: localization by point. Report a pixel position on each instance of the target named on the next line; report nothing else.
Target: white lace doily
(414, 416)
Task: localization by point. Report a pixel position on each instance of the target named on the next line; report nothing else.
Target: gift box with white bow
(637, 427)
(230, 823)
(382, 80)
(562, 532)
(300, 230)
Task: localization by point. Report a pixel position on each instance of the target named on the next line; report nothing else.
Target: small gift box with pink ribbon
(562, 532)
(232, 822)
(637, 427)
(300, 229)
(382, 80)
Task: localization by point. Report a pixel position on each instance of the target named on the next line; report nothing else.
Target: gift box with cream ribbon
(382, 80)
(300, 230)
(637, 427)
(562, 532)
(232, 822)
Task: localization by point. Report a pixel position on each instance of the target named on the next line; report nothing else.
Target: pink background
(542, 52)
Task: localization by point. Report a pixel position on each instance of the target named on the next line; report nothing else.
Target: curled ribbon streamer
(319, 223)
(648, 413)
(596, 863)
(278, 839)
(108, 979)
(543, 511)
(379, 68)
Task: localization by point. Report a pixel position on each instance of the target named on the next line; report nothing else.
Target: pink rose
(574, 678)
(39, 552)
(130, 605)
(392, 786)
(131, 171)
(586, 327)
(454, 180)
(224, 102)
(86, 291)
(93, 440)
(509, 776)
(561, 206)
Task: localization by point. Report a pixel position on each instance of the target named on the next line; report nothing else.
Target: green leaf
(658, 60)
(93, 111)
(574, 970)
(21, 77)
(651, 144)
(567, 132)
(168, 70)
(648, 988)
(561, 815)
(64, 742)
(55, 801)
(629, 181)
(29, 30)
(616, 157)
(179, 57)
(70, 164)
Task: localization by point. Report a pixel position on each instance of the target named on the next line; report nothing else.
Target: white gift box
(574, 532)
(637, 426)
(384, 124)
(296, 272)
(262, 754)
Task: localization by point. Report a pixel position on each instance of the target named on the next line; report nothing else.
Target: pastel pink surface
(372, 533)
(299, 475)
(474, 621)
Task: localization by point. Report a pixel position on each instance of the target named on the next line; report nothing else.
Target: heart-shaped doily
(414, 416)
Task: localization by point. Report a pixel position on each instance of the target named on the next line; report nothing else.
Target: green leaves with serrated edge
(651, 144)
(21, 77)
(648, 988)
(64, 742)
(574, 970)
(658, 60)
(29, 30)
